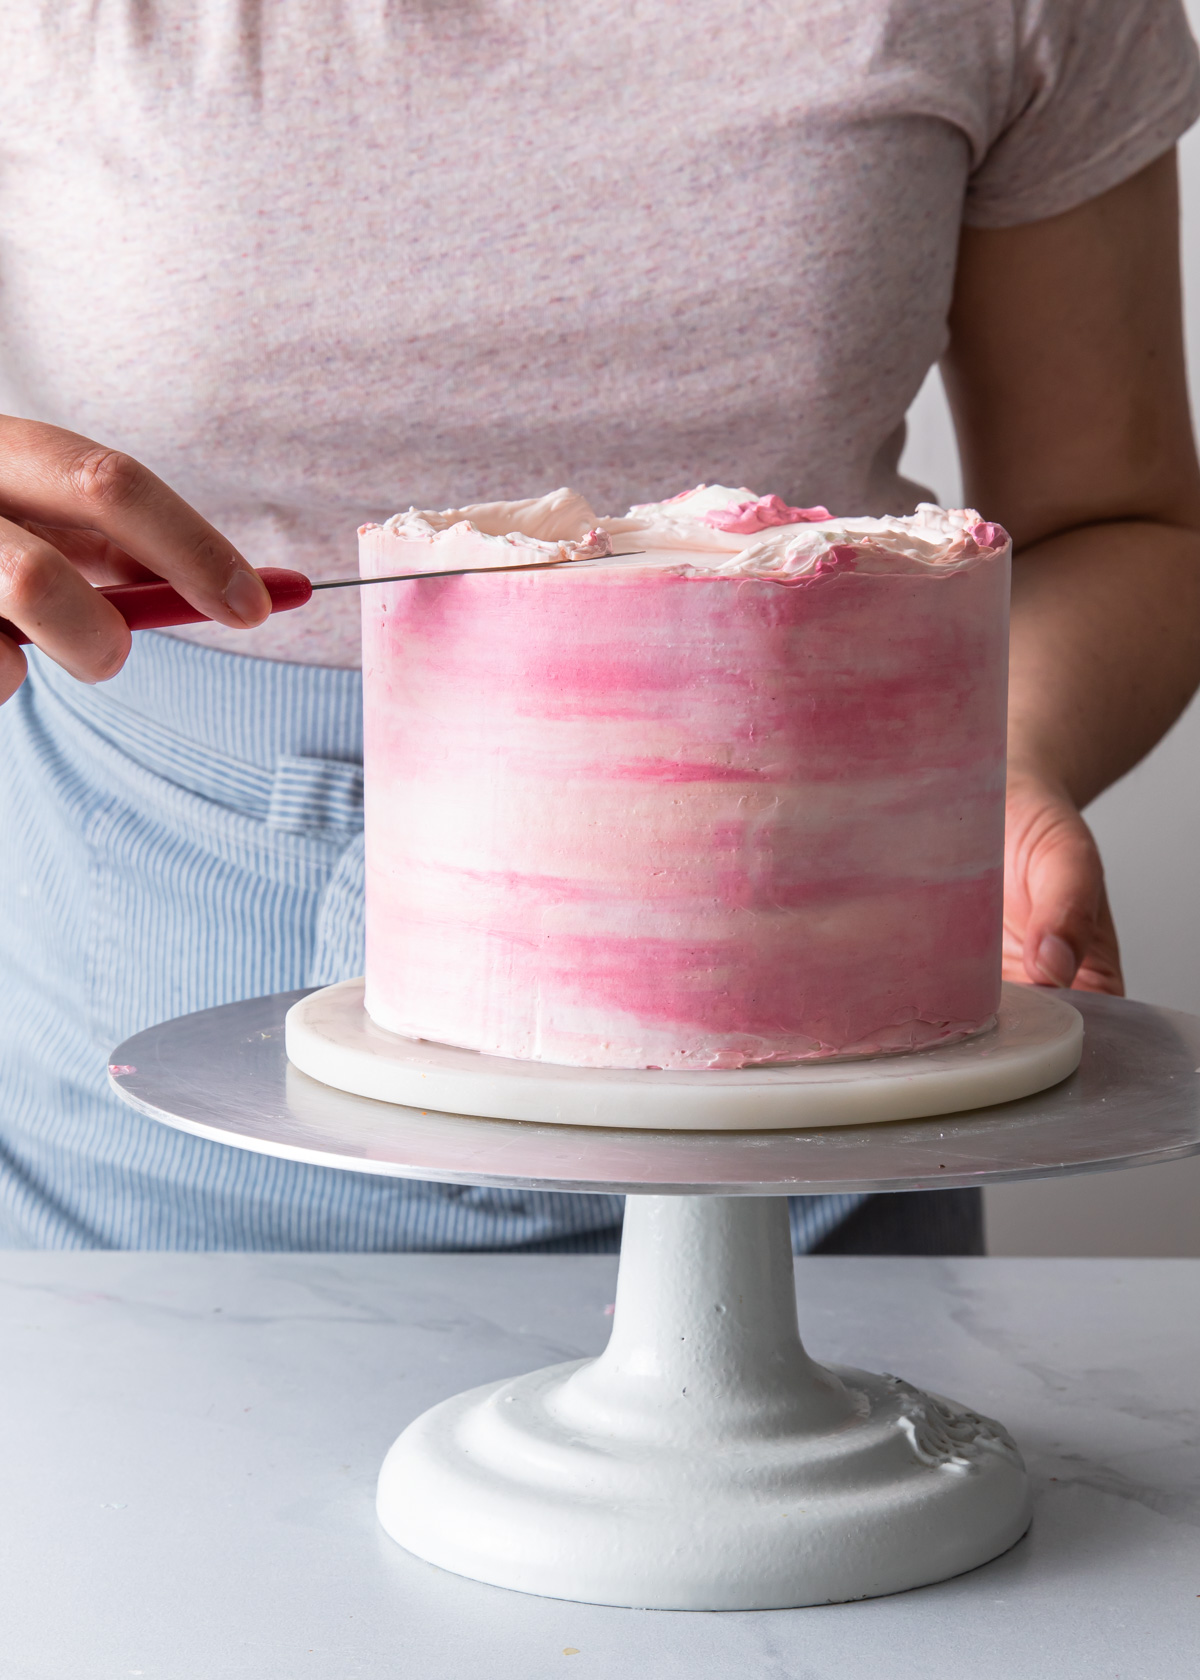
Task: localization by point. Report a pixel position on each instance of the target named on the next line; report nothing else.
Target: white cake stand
(703, 1461)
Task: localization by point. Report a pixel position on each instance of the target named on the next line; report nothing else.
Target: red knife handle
(154, 606)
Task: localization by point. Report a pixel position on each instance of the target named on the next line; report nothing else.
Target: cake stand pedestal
(703, 1461)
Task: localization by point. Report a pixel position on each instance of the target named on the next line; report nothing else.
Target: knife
(156, 606)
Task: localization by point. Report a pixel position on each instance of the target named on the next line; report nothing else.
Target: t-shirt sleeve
(1099, 89)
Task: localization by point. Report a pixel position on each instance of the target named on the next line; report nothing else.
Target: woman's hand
(1058, 930)
(74, 514)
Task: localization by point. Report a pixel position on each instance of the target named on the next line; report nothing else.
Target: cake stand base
(704, 1461)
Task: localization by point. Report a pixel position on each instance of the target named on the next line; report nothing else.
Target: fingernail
(246, 595)
(1056, 960)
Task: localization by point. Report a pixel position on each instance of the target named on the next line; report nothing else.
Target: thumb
(1055, 886)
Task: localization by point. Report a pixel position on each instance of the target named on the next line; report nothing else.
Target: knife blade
(157, 606)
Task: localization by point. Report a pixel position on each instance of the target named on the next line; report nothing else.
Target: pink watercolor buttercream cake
(727, 790)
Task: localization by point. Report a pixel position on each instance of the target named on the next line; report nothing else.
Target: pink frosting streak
(744, 519)
(989, 535)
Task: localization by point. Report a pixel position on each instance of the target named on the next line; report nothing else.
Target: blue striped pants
(185, 835)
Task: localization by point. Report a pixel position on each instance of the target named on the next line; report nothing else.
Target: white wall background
(1148, 827)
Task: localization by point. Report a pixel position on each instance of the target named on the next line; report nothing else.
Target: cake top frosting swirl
(712, 529)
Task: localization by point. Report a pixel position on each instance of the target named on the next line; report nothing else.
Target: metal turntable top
(223, 1074)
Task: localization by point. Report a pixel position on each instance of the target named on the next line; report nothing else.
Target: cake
(727, 789)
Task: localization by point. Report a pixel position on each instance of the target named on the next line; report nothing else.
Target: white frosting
(933, 536)
(560, 516)
(559, 525)
(679, 522)
(562, 525)
(694, 504)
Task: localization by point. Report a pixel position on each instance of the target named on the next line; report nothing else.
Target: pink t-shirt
(314, 263)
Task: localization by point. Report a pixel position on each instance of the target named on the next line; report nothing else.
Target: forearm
(1064, 369)
(1105, 650)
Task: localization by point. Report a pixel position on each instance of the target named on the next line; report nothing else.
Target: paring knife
(155, 606)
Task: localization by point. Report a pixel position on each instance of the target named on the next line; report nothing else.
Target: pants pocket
(339, 947)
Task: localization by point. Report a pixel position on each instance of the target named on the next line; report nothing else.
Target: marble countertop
(189, 1444)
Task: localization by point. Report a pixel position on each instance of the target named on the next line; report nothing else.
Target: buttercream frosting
(710, 528)
(723, 796)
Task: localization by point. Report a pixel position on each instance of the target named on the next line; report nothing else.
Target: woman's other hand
(74, 514)
(1058, 929)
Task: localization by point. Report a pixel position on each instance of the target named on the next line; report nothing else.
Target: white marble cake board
(1036, 1042)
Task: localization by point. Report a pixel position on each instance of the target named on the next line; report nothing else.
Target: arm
(1065, 374)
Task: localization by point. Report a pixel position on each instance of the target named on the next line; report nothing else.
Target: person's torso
(313, 264)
